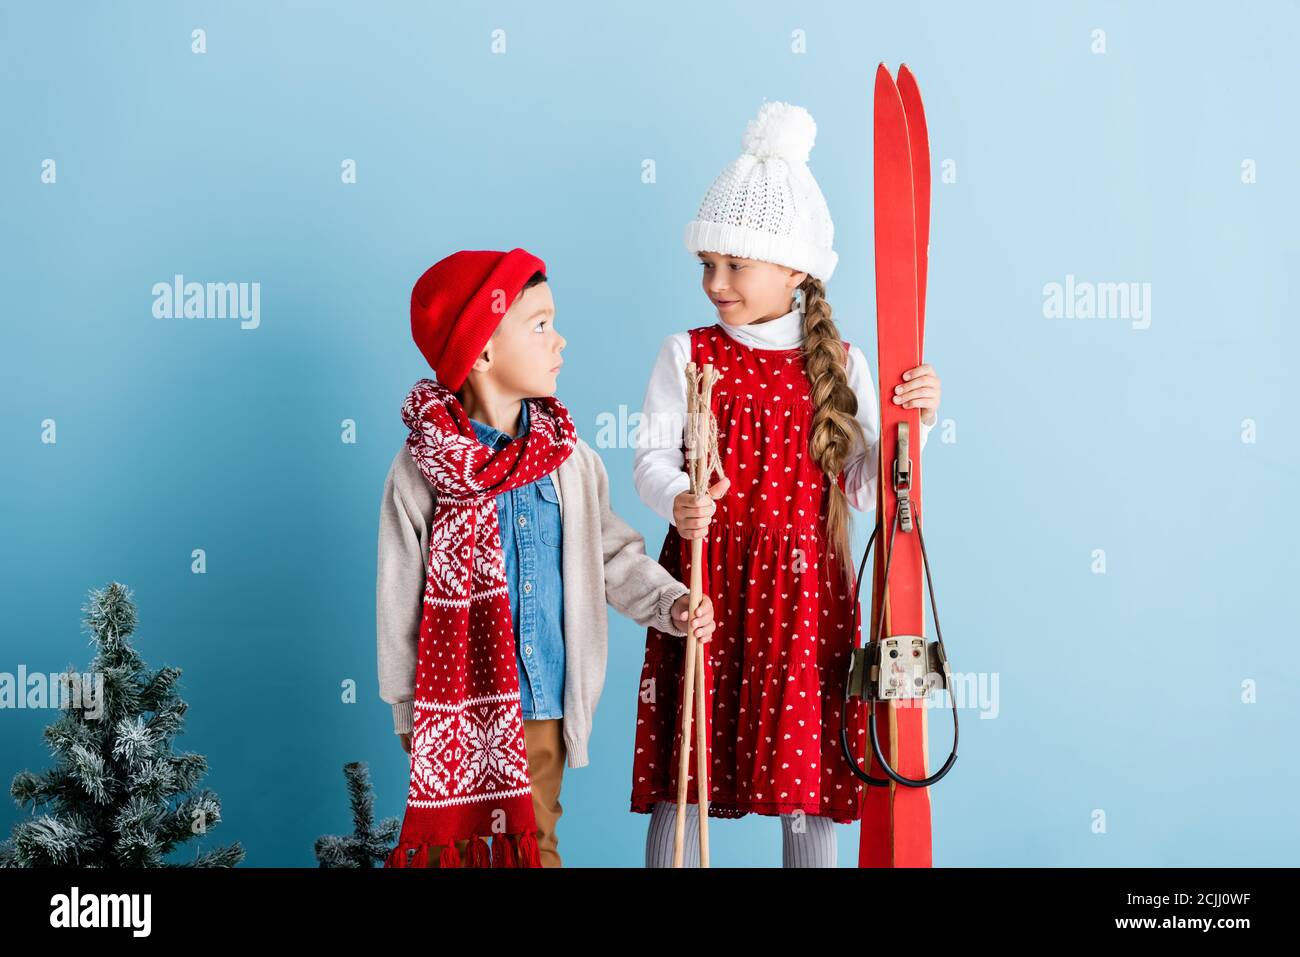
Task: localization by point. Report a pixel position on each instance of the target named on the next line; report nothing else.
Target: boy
(484, 320)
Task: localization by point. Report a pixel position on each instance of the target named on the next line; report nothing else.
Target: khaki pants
(544, 742)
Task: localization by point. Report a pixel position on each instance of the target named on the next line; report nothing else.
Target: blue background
(1120, 692)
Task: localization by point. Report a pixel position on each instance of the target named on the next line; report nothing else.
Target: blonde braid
(835, 408)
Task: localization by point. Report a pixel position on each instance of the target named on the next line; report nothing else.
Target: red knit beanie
(459, 302)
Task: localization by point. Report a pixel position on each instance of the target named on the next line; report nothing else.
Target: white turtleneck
(657, 467)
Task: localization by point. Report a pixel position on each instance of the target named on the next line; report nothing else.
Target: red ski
(895, 829)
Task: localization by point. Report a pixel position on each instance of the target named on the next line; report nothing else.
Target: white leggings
(806, 840)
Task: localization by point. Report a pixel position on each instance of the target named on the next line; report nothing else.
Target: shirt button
(523, 519)
(528, 588)
(528, 649)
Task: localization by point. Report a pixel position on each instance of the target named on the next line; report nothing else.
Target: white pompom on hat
(766, 205)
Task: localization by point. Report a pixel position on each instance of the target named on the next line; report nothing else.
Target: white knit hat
(765, 204)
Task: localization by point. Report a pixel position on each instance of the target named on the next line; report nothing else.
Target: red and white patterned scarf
(469, 768)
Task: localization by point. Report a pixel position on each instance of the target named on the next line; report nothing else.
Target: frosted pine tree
(368, 844)
(117, 796)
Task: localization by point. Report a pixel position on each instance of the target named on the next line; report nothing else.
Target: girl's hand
(692, 515)
(920, 390)
(703, 624)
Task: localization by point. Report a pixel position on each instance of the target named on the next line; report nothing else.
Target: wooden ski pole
(702, 751)
(690, 658)
(710, 463)
(702, 461)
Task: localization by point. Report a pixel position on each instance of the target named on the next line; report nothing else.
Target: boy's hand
(406, 742)
(703, 624)
(692, 514)
(920, 390)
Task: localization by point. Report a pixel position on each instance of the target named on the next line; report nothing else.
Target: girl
(798, 434)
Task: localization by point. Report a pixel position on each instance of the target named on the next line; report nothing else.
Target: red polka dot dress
(785, 621)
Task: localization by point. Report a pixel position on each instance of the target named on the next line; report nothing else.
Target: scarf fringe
(508, 850)
(479, 855)
(529, 852)
(503, 854)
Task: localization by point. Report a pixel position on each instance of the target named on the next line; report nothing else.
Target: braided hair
(835, 408)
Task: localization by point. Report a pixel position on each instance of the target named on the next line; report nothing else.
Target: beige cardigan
(602, 559)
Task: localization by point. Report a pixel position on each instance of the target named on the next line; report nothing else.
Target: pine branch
(361, 797)
(67, 731)
(91, 771)
(121, 690)
(178, 825)
(153, 779)
(137, 848)
(219, 857)
(160, 690)
(31, 788)
(368, 844)
(188, 769)
(168, 722)
(50, 842)
(333, 850)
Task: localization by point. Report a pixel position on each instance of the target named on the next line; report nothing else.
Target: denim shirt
(530, 540)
